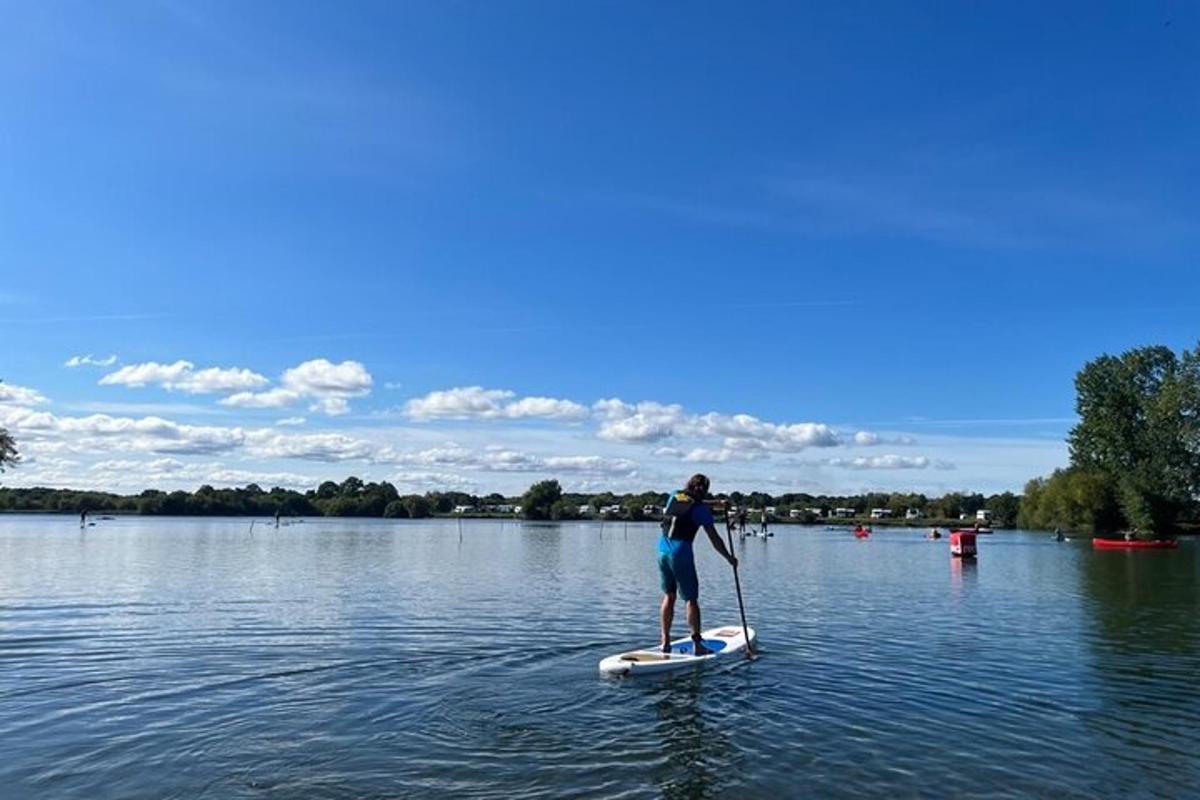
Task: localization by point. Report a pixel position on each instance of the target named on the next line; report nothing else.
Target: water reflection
(1144, 649)
(695, 752)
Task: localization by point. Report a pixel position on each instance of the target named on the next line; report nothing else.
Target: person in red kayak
(684, 516)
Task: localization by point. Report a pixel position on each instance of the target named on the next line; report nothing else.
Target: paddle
(737, 583)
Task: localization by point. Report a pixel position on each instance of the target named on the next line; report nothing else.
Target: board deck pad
(723, 642)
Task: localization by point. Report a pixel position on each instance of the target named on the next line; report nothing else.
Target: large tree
(1139, 426)
(8, 450)
(538, 502)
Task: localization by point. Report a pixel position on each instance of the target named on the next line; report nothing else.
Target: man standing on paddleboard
(685, 514)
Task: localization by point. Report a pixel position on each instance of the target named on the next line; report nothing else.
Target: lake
(197, 658)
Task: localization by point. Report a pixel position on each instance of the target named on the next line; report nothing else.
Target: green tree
(395, 510)
(539, 500)
(418, 507)
(1076, 499)
(8, 450)
(1139, 425)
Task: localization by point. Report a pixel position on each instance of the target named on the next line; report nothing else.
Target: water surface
(366, 658)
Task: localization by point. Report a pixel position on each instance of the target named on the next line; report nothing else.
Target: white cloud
(547, 407)
(890, 461)
(89, 360)
(326, 384)
(866, 438)
(216, 380)
(322, 378)
(289, 421)
(184, 377)
(420, 482)
(332, 406)
(325, 447)
(155, 466)
(644, 422)
(152, 434)
(475, 402)
(147, 373)
(20, 395)
(653, 422)
(272, 398)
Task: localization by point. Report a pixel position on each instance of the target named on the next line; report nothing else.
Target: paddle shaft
(737, 583)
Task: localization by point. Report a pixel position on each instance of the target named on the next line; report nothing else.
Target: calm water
(152, 658)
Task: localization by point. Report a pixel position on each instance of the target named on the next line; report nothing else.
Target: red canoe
(1136, 544)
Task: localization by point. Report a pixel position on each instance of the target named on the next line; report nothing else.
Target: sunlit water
(153, 658)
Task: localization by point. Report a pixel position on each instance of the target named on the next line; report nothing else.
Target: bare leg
(693, 618)
(667, 616)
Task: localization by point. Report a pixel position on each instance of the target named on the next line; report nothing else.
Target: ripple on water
(345, 659)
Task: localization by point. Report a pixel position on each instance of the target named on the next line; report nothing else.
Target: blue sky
(847, 246)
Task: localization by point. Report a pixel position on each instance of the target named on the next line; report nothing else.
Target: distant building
(652, 511)
(983, 515)
(500, 508)
(880, 513)
(770, 511)
(913, 513)
(844, 512)
(463, 509)
(816, 512)
(584, 510)
(796, 513)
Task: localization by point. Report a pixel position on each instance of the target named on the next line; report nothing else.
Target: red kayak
(861, 534)
(1136, 544)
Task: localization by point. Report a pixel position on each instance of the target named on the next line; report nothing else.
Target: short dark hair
(697, 486)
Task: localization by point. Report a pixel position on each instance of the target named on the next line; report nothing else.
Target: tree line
(544, 500)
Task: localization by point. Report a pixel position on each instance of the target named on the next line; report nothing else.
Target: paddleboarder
(686, 514)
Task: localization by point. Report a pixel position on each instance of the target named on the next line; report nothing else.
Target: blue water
(155, 658)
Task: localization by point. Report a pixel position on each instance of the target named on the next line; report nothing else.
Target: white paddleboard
(726, 641)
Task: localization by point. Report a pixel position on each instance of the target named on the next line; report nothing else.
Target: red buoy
(962, 544)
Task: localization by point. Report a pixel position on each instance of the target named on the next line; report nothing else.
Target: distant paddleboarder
(764, 522)
(83, 518)
(277, 518)
(685, 515)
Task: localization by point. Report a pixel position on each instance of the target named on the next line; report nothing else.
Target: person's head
(697, 487)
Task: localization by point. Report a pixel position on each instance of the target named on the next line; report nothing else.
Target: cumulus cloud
(89, 360)
(653, 422)
(866, 438)
(326, 385)
(184, 377)
(641, 422)
(476, 402)
(290, 421)
(272, 398)
(20, 395)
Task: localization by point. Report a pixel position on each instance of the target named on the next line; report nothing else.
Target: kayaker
(685, 514)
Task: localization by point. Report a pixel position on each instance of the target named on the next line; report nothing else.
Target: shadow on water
(1144, 647)
(695, 750)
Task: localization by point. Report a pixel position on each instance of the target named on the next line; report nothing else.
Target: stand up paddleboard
(724, 642)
